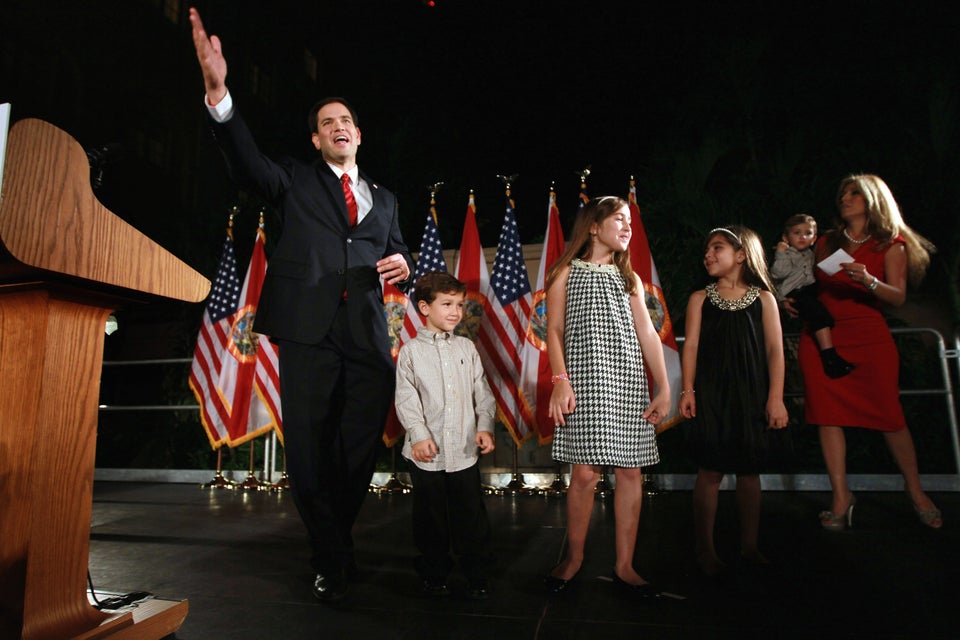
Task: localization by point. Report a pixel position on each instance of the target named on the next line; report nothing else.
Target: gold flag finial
(234, 211)
(508, 180)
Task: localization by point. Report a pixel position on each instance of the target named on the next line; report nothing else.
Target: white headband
(726, 231)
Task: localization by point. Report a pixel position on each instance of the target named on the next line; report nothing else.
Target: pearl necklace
(847, 236)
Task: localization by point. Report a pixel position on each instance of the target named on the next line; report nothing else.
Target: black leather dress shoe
(435, 589)
(478, 590)
(327, 588)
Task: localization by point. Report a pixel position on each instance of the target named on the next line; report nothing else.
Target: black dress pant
(449, 513)
(335, 396)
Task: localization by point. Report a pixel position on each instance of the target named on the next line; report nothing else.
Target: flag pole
(219, 481)
(603, 489)
(584, 174)
(250, 483)
(650, 486)
(283, 484)
(516, 486)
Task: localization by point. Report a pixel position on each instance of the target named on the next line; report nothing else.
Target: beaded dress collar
(597, 268)
(753, 292)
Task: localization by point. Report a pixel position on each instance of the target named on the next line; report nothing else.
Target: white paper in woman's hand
(831, 264)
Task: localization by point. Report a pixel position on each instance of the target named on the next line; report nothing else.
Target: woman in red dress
(886, 255)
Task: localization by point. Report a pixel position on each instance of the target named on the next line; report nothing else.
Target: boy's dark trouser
(810, 309)
(448, 510)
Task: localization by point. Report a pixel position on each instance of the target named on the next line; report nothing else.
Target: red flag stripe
(536, 373)
(268, 382)
(641, 259)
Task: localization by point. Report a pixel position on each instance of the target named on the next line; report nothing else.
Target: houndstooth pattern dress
(606, 371)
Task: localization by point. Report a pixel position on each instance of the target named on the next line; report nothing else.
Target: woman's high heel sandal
(838, 521)
(929, 517)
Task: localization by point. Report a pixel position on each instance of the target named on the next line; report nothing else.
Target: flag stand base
(219, 482)
(650, 487)
(250, 483)
(516, 486)
(603, 488)
(392, 485)
(283, 484)
(490, 490)
(556, 488)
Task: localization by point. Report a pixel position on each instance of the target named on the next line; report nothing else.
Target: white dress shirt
(442, 393)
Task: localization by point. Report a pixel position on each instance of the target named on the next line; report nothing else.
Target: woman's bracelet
(558, 377)
(687, 391)
(873, 285)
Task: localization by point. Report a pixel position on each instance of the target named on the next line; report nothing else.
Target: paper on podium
(831, 264)
(4, 127)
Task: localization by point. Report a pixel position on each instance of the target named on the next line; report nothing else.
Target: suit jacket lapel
(375, 194)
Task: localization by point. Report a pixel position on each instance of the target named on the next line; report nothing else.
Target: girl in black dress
(733, 369)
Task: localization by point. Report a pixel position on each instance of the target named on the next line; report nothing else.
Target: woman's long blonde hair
(884, 222)
(594, 212)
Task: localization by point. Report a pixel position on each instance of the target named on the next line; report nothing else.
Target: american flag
(505, 304)
(429, 259)
(535, 373)
(212, 342)
(234, 374)
(642, 261)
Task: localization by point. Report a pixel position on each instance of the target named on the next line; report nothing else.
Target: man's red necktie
(351, 202)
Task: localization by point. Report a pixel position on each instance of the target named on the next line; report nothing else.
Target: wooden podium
(65, 263)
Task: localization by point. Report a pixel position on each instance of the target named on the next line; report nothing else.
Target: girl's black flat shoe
(554, 584)
(645, 591)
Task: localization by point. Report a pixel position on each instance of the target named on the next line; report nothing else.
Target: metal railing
(944, 482)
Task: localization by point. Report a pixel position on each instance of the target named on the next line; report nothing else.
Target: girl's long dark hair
(754, 268)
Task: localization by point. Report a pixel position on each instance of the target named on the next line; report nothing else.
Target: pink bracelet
(560, 376)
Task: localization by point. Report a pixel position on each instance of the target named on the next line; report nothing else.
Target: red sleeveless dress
(869, 396)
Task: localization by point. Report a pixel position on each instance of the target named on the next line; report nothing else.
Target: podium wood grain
(66, 262)
(50, 220)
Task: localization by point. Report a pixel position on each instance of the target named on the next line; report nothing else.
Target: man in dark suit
(322, 304)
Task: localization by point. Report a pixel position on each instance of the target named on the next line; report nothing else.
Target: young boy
(792, 269)
(446, 406)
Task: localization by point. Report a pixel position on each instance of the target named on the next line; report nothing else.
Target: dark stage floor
(241, 561)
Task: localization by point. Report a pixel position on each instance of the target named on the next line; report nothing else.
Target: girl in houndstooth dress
(732, 393)
(598, 334)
